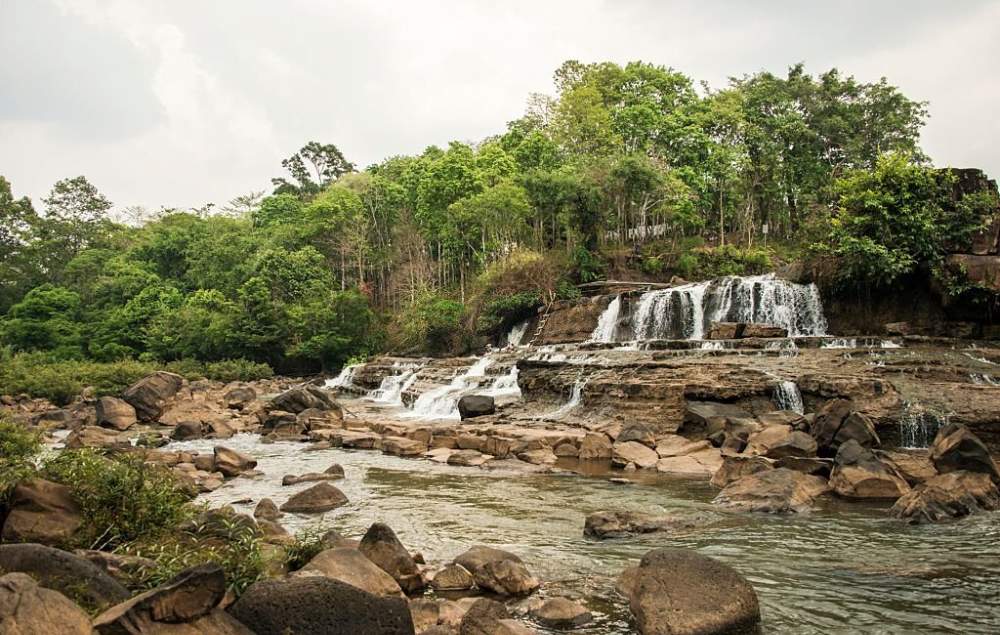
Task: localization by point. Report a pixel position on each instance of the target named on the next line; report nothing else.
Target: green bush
(18, 448)
(121, 497)
(306, 545)
(702, 263)
(237, 370)
(59, 381)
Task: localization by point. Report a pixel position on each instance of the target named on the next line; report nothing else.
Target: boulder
(956, 448)
(857, 473)
(837, 422)
(680, 592)
(498, 571)
(300, 398)
(95, 437)
(807, 465)
(318, 604)
(321, 497)
(381, 546)
(736, 467)
(950, 495)
(186, 600)
(484, 617)
(772, 491)
(560, 612)
(333, 473)
(402, 446)
(187, 431)
(637, 432)
(915, 466)
(703, 418)
(115, 413)
(239, 397)
(627, 452)
(467, 458)
(675, 445)
(232, 463)
(425, 613)
(618, 524)
(29, 609)
(701, 464)
(76, 577)
(351, 566)
(41, 511)
(126, 569)
(791, 444)
(541, 456)
(453, 577)
(151, 394)
(595, 446)
(471, 406)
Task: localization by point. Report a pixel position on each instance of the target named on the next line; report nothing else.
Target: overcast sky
(185, 102)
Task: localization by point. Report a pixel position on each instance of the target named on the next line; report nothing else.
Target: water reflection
(845, 568)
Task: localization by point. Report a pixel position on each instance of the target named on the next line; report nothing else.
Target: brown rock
(736, 467)
(618, 524)
(115, 413)
(858, 473)
(150, 395)
(351, 566)
(837, 422)
(321, 497)
(950, 495)
(453, 577)
(498, 571)
(68, 573)
(595, 446)
(772, 491)
(468, 458)
(381, 546)
(232, 463)
(561, 612)
(267, 510)
(402, 446)
(239, 397)
(627, 452)
(29, 609)
(956, 448)
(41, 511)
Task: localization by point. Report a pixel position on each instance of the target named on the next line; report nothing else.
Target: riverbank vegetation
(632, 170)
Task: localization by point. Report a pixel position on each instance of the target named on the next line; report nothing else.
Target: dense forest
(629, 170)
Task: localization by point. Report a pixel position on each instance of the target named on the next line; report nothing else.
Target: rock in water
(471, 406)
(301, 398)
(64, 572)
(736, 467)
(150, 394)
(836, 423)
(29, 609)
(351, 566)
(595, 446)
(317, 604)
(115, 413)
(381, 546)
(498, 571)
(267, 510)
(627, 452)
(321, 497)
(956, 448)
(950, 495)
(857, 473)
(232, 463)
(484, 617)
(773, 491)
(561, 613)
(453, 577)
(617, 524)
(680, 592)
(41, 511)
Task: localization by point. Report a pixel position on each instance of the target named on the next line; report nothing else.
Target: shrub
(237, 370)
(306, 545)
(18, 448)
(41, 375)
(122, 498)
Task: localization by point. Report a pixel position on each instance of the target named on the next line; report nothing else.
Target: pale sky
(182, 102)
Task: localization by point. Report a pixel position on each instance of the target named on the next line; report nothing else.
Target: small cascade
(504, 386)
(345, 379)
(918, 426)
(788, 397)
(390, 391)
(983, 379)
(785, 347)
(607, 325)
(575, 397)
(442, 403)
(840, 342)
(713, 345)
(516, 334)
(686, 312)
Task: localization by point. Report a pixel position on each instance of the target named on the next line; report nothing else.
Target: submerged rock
(317, 604)
(680, 592)
(946, 496)
(773, 491)
(232, 463)
(617, 524)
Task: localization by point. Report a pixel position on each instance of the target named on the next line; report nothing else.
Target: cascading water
(575, 397)
(918, 426)
(608, 322)
(516, 334)
(685, 312)
(345, 379)
(788, 397)
(390, 391)
(442, 403)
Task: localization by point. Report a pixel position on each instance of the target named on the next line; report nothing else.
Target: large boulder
(41, 511)
(956, 448)
(776, 442)
(624, 453)
(300, 398)
(779, 490)
(321, 497)
(489, 617)
(945, 496)
(318, 604)
(232, 463)
(115, 413)
(681, 592)
(471, 406)
(65, 572)
(858, 473)
(638, 432)
(188, 431)
(498, 571)
(735, 467)
(595, 446)
(239, 397)
(351, 566)
(150, 395)
(29, 609)
(381, 546)
(837, 422)
(95, 437)
(184, 605)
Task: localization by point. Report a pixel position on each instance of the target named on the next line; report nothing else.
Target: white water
(345, 379)
(918, 426)
(685, 312)
(575, 396)
(608, 322)
(516, 334)
(984, 379)
(390, 391)
(788, 397)
(442, 403)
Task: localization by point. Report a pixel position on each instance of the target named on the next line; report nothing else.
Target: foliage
(18, 448)
(121, 497)
(433, 324)
(305, 546)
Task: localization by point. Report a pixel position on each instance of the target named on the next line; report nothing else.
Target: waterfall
(442, 402)
(788, 397)
(685, 312)
(918, 426)
(504, 385)
(516, 334)
(608, 322)
(575, 396)
(391, 390)
(345, 379)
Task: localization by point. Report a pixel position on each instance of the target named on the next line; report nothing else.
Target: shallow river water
(842, 569)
